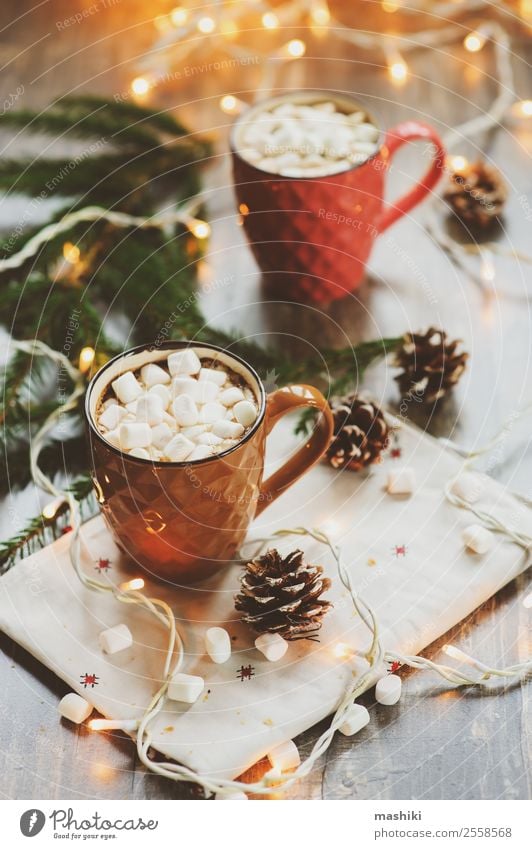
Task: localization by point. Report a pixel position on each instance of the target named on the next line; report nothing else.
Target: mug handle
(393, 140)
(278, 404)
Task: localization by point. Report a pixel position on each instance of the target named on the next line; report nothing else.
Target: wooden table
(437, 743)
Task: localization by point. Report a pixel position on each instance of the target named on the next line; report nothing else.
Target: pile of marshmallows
(186, 413)
(308, 140)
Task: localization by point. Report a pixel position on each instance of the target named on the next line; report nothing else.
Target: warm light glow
(163, 23)
(231, 105)
(206, 25)
(229, 28)
(296, 48)
(487, 269)
(398, 70)
(457, 163)
(86, 359)
(71, 252)
(140, 86)
(320, 14)
(270, 21)
(523, 109)
(134, 584)
(474, 42)
(243, 209)
(527, 601)
(388, 6)
(200, 229)
(50, 510)
(179, 16)
(343, 651)
(112, 724)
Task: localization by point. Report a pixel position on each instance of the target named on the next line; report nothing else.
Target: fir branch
(126, 113)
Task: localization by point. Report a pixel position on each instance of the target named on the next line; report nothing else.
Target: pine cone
(431, 365)
(476, 195)
(360, 433)
(281, 595)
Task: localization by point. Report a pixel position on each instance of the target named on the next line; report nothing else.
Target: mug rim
(174, 346)
(290, 95)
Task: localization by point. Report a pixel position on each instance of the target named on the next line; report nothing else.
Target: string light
(398, 70)
(527, 601)
(50, 510)
(270, 20)
(320, 14)
(200, 229)
(112, 724)
(295, 48)
(389, 6)
(140, 86)
(458, 654)
(179, 16)
(342, 651)
(86, 359)
(206, 25)
(71, 253)
(134, 584)
(456, 163)
(522, 109)
(229, 28)
(475, 41)
(231, 105)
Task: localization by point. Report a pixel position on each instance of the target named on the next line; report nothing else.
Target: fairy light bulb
(457, 163)
(50, 510)
(342, 651)
(206, 25)
(456, 653)
(134, 584)
(296, 48)
(140, 86)
(270, 20)
(474, 42)
(388, 6)
(527, 601)
(200, 229)
(229, 28)
(320, 14)
(86, 359)
(179, 16)
(522, 109)
(113, 724)
(230, 104)
(71, 253)
(398, 70)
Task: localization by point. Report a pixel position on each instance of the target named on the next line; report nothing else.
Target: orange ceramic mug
(183, 521)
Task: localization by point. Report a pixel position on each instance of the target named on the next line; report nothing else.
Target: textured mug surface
(312, 236)
(183, 521)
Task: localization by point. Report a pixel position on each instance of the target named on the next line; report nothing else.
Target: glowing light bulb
(86, 359)
(229, 28)
(111, 724)
(71, 252)
(179, 16)
(231, 105)
(342, 651)
(456, 653)
(522, 109)
(206, 25)
(163, 23)
(134, 584)
(457, 163)
(243, 209)
(140, 86)
(527, 601)
(270, 20)
(200, 229)
(320, 14)
(296, 48)
(389, 6)
(398, 70)
(50, 509)
(474, 42)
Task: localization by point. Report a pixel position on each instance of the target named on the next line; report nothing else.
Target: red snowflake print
(245, 673)
(399, 550)
(103, 564)
(394, 666)
(89, 680)
(395, 453)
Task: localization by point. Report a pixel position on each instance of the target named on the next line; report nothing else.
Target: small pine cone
(476, 195)
(360, 433)
(431, 365)
(281, 595)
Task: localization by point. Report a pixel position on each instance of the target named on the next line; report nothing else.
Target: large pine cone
(281, 595)
(476, 195)
(431, 365)
(360, 433)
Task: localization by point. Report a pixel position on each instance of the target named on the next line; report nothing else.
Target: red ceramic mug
(312, 236)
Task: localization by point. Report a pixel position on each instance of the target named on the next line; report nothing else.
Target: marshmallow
(134, 435)
(208, 439)
(213, 375)
(402, 481)
(150, 409)
(75, 708)
(162, 392)
(356, 718)
(194, 431)
(388, 690)
(185, 411)
(227, 429)
(245, 413)
(218, 644)
(206, 391)
(185, 688)
(467, 486)
(109, 403)
(184, 386)
(161, 434)
(178, 449)
(272, 646)
(284, 756)
(229, 397)
(184, 362)
(141, 453)
(152, 374)
(115, 639)
(113, 436)
(478, 539)
(200, 452)
(112, 416)
(212, 412)
(126, 387)
(231, 796)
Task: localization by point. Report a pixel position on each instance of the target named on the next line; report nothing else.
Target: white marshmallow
(213, 375)
(184, 386)
(75, 708)
(185, 688)
(184, 362)
(115, 639)
(112, 416)
(208, 439)
(140, 452)
(231, 396)
(185, 411)
(402, 481)
(227, 430)
(272, 646)
(206, 391)
(284, 756)
(212, 412)
(150, 409)
(162, 392)
(468, 486)
(178, 449)
(200, 452)
(151, 374)
(113, 436)
(218, 644)
(231, 796)
(356, 718)
(388, 690)
(126, 387)
(194, 431)
(134, 435)
(478, 539)
(161, 434)
(245, 412)
(132, 407)
(109, 403)
(169, 420)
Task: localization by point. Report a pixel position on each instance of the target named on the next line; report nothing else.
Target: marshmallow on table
(112, 416)
(227, 429)
(115, 639)
(356, 718)
(388, 690)
(152, 374)
(272, 646)
(245, 412)
(74, 707)
(150, 409)
(213, 375)
(229, 397)
(284, 756)
(179, 448)
(401, 481)
(218, 644)
(134, 435)
(212, 412)
(467, 486)
(185, 411)
(127, 388)
(477, 539)
(184, 362)
(185, 688)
